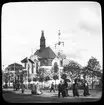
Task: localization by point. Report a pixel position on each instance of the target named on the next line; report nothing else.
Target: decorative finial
(59, 33)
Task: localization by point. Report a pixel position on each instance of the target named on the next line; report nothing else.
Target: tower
(42, 41)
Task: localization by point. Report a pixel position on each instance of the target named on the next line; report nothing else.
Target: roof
(65, 62)
(24, 60)
(15, 66)
(62, 56)
(46, 53)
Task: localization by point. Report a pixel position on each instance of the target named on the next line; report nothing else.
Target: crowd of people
(63, 88)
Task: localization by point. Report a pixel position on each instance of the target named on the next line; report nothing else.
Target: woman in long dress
(22, 88)
(38, 91)
(34, 91)
(75, 89)
(86, 89)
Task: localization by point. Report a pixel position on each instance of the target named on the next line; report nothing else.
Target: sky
(80, 25)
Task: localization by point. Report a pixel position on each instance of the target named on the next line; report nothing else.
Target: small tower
(42, 41)
(59, 42)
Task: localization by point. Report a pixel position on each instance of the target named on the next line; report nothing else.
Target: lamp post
(59, 50)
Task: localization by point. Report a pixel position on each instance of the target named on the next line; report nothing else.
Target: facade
(14, 70)
(44, 57)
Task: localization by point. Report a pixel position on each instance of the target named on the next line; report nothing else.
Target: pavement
(48, 97)
(47, 93)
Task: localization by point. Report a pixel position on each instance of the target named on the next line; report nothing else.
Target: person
(75, 88)
(86, 89)
(22, 88)
(14, 86)
(33, 89)
(60, 89)
(52, 87)
(38, 91)
(66, 88)
(5, 86)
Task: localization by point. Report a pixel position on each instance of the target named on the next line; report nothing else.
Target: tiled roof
(24, 60)
(45, 53)
(16, 65)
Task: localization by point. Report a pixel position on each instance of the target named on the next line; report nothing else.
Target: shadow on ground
(28, 98)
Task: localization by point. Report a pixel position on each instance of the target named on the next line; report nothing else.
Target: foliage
(64, 76)
(93, 67)
(47, 78)
(35, 79)
(6, 77)
(41, 78)
(93, 64)
(55, 67)
(55, 77)
(45, 73)
(41, 71)
(73, 69)
(29, 79)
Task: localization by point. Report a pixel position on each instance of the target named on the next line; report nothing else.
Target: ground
(47, 97)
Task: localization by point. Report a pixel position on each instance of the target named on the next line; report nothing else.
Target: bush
(64, 76)
(29, 80)
(47, 78)
(35, 79)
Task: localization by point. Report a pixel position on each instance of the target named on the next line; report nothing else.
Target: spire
(42, 41)
(42, 35)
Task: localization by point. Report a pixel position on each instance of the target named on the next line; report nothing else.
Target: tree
(35, 79)
(73, 69)
(29, 80)
(93, 64)
(64, 76)
(55, 67)
(55, 77)
(21, 78)
(47, 78)
(94, 67)
(6, 78)
(41, 78)
(41, 74)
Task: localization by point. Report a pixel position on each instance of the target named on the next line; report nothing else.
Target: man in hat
(60, 88)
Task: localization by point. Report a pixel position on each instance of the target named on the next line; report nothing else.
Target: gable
(46, 53)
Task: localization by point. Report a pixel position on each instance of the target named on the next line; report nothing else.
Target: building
(45, 53)
(44, 57)
(14, 71)
(13, 68)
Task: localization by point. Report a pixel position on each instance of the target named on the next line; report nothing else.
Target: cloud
(89, 20)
